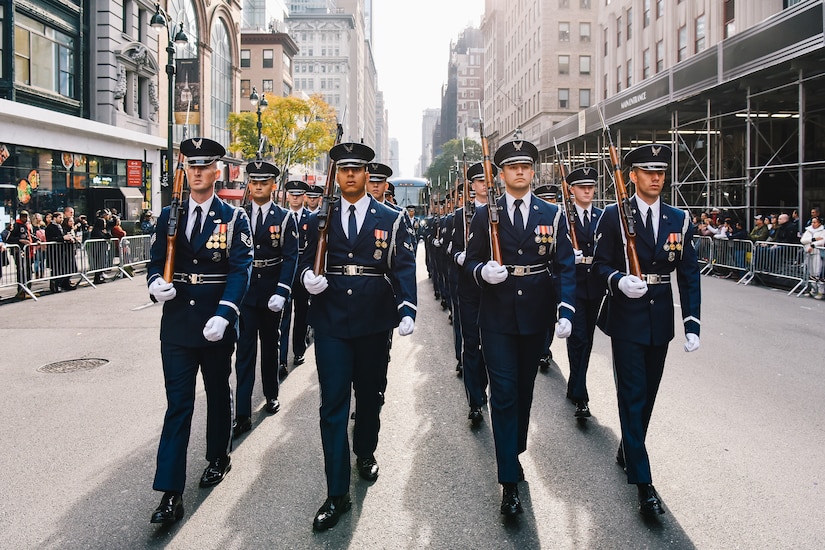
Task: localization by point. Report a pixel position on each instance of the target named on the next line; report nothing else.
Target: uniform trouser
(180, 370)
(512, 363)
(475, 371)
(579, 346)
(457, 341)
(345, 364)
(300, 303)
(548, 341)
(638, 370)
(257, 323)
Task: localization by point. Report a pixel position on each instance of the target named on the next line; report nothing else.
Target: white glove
(494, 273)
(315, 284)
(214, 329)
(406, 326)
(276, 303)
(632, 286)
(460, 258)
(450, 248)
(579, 255)
(161, 290)
(691, 342)
(563, 328)
(437, 243)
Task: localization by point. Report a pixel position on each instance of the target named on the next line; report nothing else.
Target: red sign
(134, 173)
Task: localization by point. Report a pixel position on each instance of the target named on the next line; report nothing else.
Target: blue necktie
(196, 228)
(518, 219)
(352, 227)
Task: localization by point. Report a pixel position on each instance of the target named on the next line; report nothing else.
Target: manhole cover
(73, 365)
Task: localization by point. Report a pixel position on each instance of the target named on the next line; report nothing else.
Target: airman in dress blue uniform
(469, 295)
(275, 243)
(368, 288)
(589, 288)
(296, 191)
(199, 327)
(637, 312)
(549, 193)
(518, 303)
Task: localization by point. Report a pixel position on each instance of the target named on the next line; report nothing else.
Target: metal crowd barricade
(734, 254)
(60, 261)
(704, 252)
(134, 251)
(781, 260)
(98, 256)
(15, 269)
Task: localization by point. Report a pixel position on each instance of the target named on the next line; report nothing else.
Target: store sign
(134, 173)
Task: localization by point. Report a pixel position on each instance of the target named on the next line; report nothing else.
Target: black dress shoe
(169, 510)
(241, 425)
(367, 468)
(510, 502)
(520, 472)
(332, 510)
(620, 457)
(475, 416)
(459, 369)
(282, 372)
(650, 503)
(299, 360)
(544, 363)
(273, 406)
(216, 471)
(582, 410)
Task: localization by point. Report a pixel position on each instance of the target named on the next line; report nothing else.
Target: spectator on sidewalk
(814, 241)
(760, 230)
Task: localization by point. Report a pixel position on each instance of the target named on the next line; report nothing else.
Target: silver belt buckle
(587, 260)
(351, 270)
(195, 278)
(654, 279)
(519, 270)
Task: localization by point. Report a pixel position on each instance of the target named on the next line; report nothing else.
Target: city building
(429, 121)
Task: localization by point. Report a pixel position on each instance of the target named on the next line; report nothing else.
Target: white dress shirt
(361, 207)
(655, 207)
(511, 207)
(205, 206)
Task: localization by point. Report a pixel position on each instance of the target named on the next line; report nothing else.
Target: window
(629, 23)
(604, 88)
(584, 98)
(44, 57)
(287, 63)
(629, 78)
(564, 98)
(564, 3)
(222, 82)
(127, 16)
(584, 4)
(646, 14)
(660, 56)
(584, 64)
(564, 31)
(660, 8)
(246, 57)
(730, 26)
(287, 90)
(246, 89)
(700, 33)
(267, 86)
(605, 41)
(564, 64)
(584, 32)
(269, 59)
(618, 79)
(618, 31)
(646, 64)
(682, 53)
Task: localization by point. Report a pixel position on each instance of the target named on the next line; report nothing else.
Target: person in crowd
(275, 244)
(147, 223)
(199, 326)
(760, 230)
(22, 234)
(589, 288)
(299, 300)
(518, 303)
(814, 214)
(814, 240)
(62, 256)
(638, 312)
(99, 252)
(784, 231)
(117, 234)
(37, 255)
(469, 296)
(368, 288)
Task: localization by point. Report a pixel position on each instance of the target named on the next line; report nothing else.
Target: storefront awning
(230, 194)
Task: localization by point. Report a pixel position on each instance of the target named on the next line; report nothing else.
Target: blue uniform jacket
(648, 320)
(303, 229)
(466, 286)
(279, 239)
(185, 316)
(527, 304)
(588, 285)
(358, 305)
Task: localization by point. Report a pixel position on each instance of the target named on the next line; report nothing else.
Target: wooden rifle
(569, 206)
(623, 202)
(323, 211)
(492, 207)
(174, 218)
(469, 209)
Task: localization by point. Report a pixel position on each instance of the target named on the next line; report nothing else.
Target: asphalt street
(736, 442)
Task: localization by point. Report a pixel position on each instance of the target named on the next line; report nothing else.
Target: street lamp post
(161, 20)
(261, 104)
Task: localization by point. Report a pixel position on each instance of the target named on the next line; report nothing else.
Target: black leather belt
(199, 278)
(524, 270)
(655, 278)
(267, 263)
(354, 270)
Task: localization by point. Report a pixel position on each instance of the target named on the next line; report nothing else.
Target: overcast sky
(411, 50)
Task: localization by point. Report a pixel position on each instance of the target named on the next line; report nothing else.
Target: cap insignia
(655, 151)
(517, 145)
(349, 148)
(197, 143)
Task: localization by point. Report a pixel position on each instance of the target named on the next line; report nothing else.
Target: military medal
(542, 250)
(216, 256)
(538, 238)
(380, 242)
(671, 256)
(378, 253)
